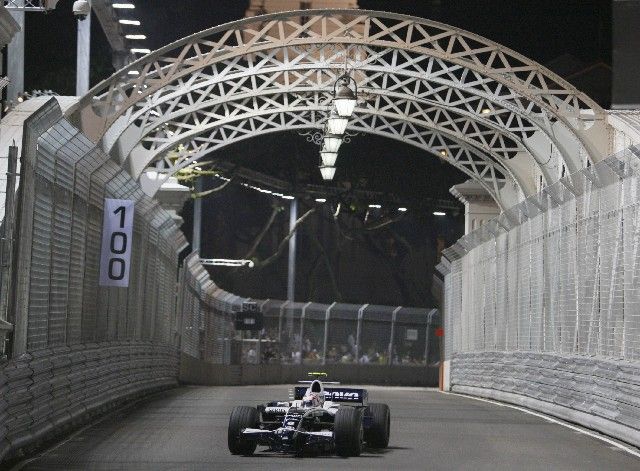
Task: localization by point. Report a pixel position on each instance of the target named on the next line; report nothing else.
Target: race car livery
(316, 420)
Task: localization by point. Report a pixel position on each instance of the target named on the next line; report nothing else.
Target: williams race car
(317, 420)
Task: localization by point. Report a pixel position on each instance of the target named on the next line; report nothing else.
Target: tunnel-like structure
(539, 304)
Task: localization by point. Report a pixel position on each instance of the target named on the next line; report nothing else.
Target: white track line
(632, 451)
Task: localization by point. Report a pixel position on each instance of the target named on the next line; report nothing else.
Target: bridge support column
(479, 206)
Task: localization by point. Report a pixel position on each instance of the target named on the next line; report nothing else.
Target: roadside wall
(543, 303)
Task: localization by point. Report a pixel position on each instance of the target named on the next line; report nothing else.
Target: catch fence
(301, 333)
(542, 304)
(76, 347)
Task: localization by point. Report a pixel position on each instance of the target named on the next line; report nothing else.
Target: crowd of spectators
(309, 350)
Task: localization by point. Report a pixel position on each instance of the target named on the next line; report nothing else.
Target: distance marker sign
(115, 257)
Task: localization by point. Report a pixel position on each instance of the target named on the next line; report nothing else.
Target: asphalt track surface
(186, 429)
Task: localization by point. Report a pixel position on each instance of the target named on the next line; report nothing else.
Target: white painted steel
(490, 111)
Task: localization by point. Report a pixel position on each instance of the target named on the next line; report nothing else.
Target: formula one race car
(317, 420)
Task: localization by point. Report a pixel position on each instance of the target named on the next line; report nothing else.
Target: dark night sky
(540, 29)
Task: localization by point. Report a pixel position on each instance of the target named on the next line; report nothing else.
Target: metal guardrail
(45, 391)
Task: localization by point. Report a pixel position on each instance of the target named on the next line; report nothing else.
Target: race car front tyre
(377, 435)
(241, 418)
(347, 431)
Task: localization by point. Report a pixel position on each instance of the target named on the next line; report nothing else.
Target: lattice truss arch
(489, 111)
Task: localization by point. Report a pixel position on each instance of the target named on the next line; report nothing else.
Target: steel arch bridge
(502, 119)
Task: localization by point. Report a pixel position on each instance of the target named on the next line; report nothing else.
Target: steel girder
(498, 105)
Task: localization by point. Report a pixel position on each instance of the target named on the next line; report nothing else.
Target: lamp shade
(336, 125)
(332, 143)
(329, 158)
(344, 106)
(327, 172)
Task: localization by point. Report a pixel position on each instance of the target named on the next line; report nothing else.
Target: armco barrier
(45, 392)
(196, 371)
(601, 394)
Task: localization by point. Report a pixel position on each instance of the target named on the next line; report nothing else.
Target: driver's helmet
(311, 400)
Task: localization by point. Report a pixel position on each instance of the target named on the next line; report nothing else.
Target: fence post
(6, 247)
(326, 333)
(393, 333)
(284, 304)
(359, 331)
(302, 316)
(430, 317)
(259, 348)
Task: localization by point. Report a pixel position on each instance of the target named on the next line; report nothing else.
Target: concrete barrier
(195, 371)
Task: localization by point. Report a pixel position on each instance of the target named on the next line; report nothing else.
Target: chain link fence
(57, 297)
(558, 273)
(301, 333)
(542, 305)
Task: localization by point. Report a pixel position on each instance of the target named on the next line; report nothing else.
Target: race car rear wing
(346, 395)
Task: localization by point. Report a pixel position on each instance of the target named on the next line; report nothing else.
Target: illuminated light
(123, 6)
(439, 213)
(134, 72)
(135, 36)
(443, 153)
(136, 50)
(332, 143)
(329, 158)
(485, 111)
(336, 125)
(321, 200)
(129, 22)
(287, 197)
(327, 172)
(402, 210)
(375, 206)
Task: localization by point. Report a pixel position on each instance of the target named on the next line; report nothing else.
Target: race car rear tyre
(242, 417)
(347, 431)
(377, 435)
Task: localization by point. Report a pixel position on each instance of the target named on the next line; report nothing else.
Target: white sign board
(412, 334)
(115, 257)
